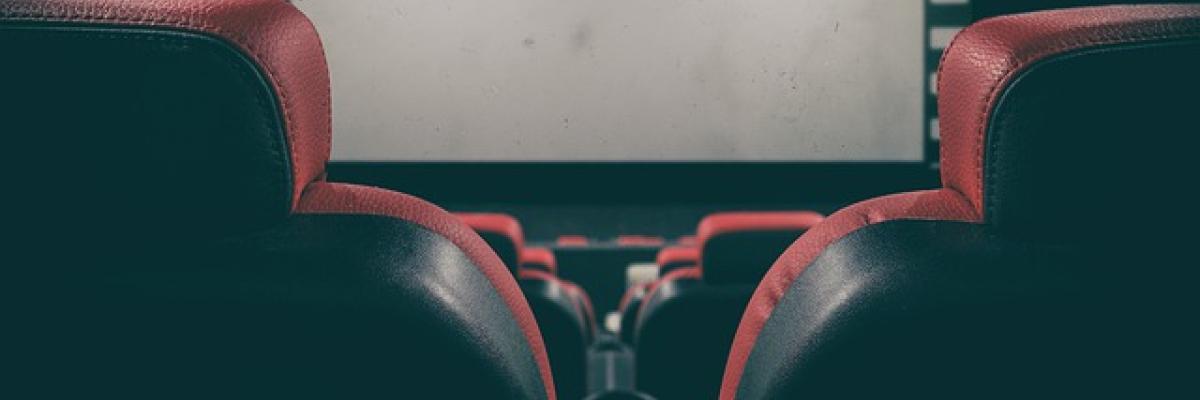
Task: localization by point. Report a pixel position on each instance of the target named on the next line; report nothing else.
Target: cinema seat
(180, 239)
(668, 259)
(688, 318)
(556, 304)
(630, 302)
(675, 257)
(539, 258)
(542, 259)
(1003, 282)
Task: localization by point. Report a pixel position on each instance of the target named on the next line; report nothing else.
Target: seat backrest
(502, 232)
(181, 241)
(557, 308)
(675, 257)
(1010, 280)
(739, 247)
(539, 258)
(981, 9)
(687, 319)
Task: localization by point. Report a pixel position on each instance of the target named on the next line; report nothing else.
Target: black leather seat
(556, 306)
(1012, 280)
(669, 259)
(687, 319)
(179, 240)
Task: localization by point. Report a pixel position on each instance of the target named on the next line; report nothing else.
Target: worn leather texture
(981, 9)
(983, 60)
(335, 198)
(321, 306)
(159, 126)
(563, 327)
(947, 310)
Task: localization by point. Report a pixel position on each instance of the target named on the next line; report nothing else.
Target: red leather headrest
(640, 241)
(272, 33)
(572, 241)
(502, 232)
(739, 247)
(675, 257)
(754, 221)
(986, 57)
(500, 224)
(539, 258)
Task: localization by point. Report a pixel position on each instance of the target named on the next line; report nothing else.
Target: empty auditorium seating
(631, 301)
(557, 305)
(542, 259)
(502, 232)
(675, 257)
(182, 242)
(668, 259)
(539, 258)
(688, 318)
(1007, 281)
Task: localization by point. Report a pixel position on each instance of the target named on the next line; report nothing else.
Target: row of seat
(185, 242)
(562, 308)
(683, 324)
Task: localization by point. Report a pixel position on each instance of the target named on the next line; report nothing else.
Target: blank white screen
(620, 80)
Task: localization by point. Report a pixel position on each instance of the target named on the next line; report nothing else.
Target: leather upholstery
(982, 9)
(561, 316)
(683, 335)
(686, 326)
(675, 257)
(184, 145)
(319, 306)
(584, 304)
(739, 247)
(336, 198)
(539, 258)
(502, 232)
(274, 36)
(937, 309)
(1032, 107)
(630, 303)
(560, 309)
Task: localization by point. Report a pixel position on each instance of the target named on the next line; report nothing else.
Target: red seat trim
(335, 198)
(751, 221)
(978, 65)
(572, 241)
(500, 224)
(539, 256)
(674, 275)
(678, 255)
